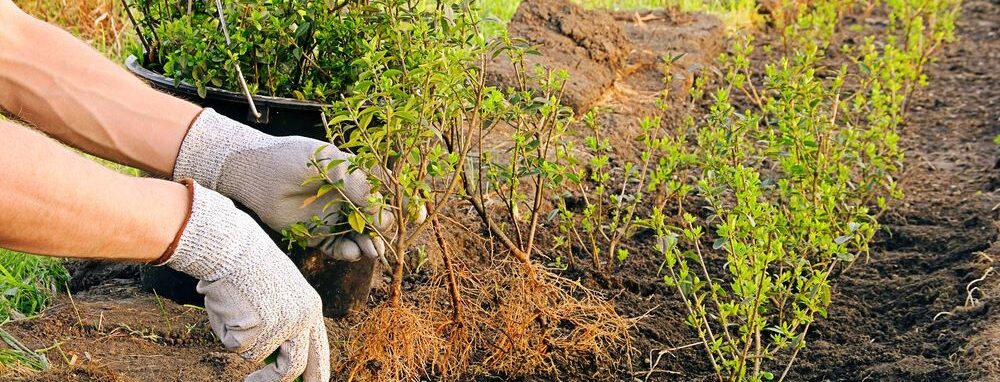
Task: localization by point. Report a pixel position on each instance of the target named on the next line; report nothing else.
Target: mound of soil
(617, 62)
(609, 53)
(589, 45)
(692, 41)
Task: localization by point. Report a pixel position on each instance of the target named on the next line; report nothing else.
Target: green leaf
(299, 230)
(719, 243)
(324, 189)
(842, 239)
(357, 221)
(334, 163)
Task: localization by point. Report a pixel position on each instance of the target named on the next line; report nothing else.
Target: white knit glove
(265, 173)
(256, 299)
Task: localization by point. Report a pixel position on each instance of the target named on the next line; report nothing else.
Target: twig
(456, 298)
(652, 367)
(239, 72)
(79, 319)
(138, 30)
(19, 347)
(795, 353)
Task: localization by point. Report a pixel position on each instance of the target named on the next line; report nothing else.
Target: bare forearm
(56, 202)
(68, 90)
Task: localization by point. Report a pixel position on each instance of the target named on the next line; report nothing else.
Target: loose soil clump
(589, 45)
(615, 60)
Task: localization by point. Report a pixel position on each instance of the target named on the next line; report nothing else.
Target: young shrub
(418, 120)
(792, 184)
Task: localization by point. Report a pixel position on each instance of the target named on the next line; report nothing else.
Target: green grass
(28, 283)
(17, 358)
(11, 359)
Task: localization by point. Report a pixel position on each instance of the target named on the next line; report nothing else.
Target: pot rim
(161, 81)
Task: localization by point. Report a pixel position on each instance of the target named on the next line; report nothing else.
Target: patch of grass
(14, 364)
(19, 359)
(28, 283)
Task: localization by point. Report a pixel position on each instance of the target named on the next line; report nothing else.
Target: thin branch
(236, 62)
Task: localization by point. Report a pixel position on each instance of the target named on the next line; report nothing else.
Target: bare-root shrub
(540, 323)
(394, 343)
(511, 325)
(416, 124)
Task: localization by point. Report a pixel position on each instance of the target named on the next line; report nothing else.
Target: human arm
(46, 209)
(58, 203)
(69, 91)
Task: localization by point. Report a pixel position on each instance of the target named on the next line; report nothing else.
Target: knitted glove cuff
(208, 144)
(217, 238)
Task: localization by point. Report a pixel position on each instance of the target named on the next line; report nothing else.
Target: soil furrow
(907, 314)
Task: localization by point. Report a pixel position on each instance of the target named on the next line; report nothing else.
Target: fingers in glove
(382, 219)
(237, 327)
(370, 247)
(342, 248)
(293, 358)
(318, 367)
(421, 215)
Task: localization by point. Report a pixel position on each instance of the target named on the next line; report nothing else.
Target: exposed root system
(516, 326)
(394, 343)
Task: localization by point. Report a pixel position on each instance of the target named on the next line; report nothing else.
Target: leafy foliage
(790, 169)
(793, 183)
(420, 121)
(753, 207)
(287, 48)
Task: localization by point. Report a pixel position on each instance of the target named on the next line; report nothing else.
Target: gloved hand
(255, 297)
(265, 173)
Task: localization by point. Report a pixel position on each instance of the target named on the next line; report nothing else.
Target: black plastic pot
(279, 116)
(344, 286)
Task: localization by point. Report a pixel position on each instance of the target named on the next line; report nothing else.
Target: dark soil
(907, 314)
(114, 332)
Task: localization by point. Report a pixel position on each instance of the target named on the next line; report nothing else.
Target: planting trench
(907, 315)
(904, 315)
